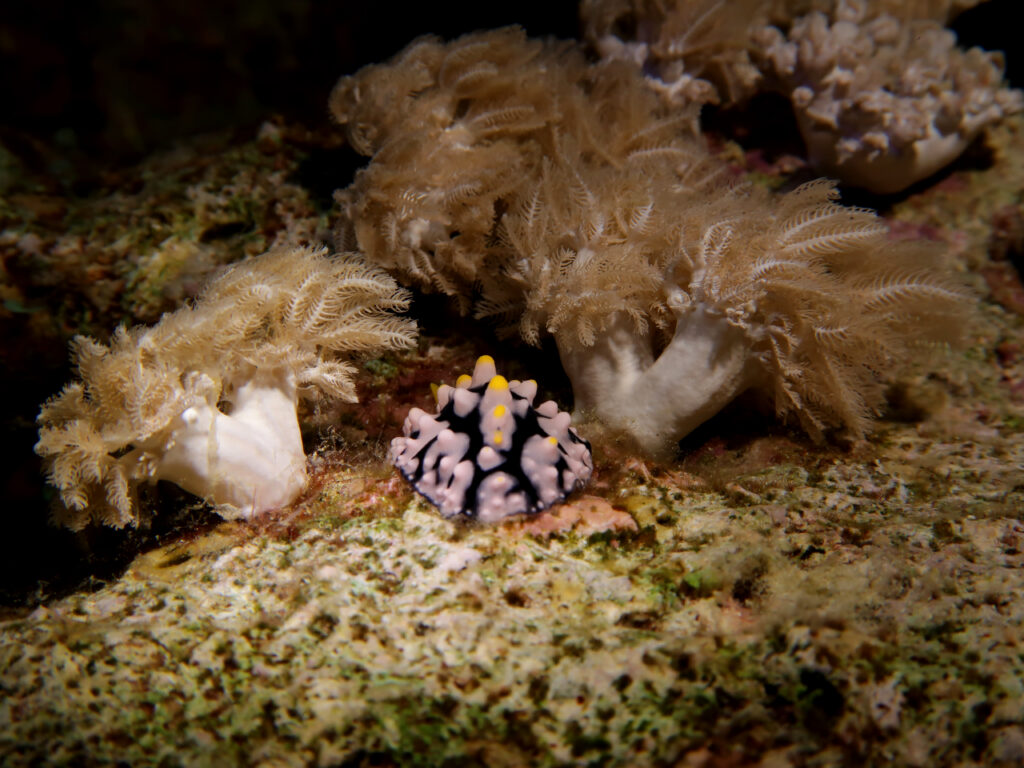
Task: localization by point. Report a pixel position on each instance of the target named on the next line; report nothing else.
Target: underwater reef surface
(762, 600)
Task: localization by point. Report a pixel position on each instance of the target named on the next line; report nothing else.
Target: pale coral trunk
(657, 402)
(250, 460)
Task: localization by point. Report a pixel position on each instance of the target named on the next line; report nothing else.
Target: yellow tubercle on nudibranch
(483, 371)
(487, 452)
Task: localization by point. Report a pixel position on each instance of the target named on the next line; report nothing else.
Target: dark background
(87, 86)
(115, 79)
(111, 80)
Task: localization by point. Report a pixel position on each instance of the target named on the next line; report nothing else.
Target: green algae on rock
(834, 619)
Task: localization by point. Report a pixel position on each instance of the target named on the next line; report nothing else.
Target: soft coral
(207, 398)
(669, 287)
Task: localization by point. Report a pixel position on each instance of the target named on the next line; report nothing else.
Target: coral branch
(706, 364)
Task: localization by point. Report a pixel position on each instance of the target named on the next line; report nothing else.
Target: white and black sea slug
(488, 453)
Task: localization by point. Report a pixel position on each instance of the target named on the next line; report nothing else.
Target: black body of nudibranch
(488, 453)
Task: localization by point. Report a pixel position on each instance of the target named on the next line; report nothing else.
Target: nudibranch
(487, 453)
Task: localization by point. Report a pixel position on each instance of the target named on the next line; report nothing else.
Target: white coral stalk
(248, 461)
(706, 365)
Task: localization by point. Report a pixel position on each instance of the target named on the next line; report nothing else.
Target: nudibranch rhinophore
(488, 453)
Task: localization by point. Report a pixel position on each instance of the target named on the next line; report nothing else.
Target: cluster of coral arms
(566, 196)
(208, 397)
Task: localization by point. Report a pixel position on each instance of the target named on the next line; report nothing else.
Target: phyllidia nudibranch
(487, 453)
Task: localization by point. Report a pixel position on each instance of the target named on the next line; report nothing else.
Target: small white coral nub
(488, 453)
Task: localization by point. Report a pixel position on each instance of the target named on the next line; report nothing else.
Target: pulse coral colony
(208, 397)
(566, 197)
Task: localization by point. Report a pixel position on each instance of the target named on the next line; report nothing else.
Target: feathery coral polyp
(797, 296)
(207, 398)
(668, 287)
(882, 94)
